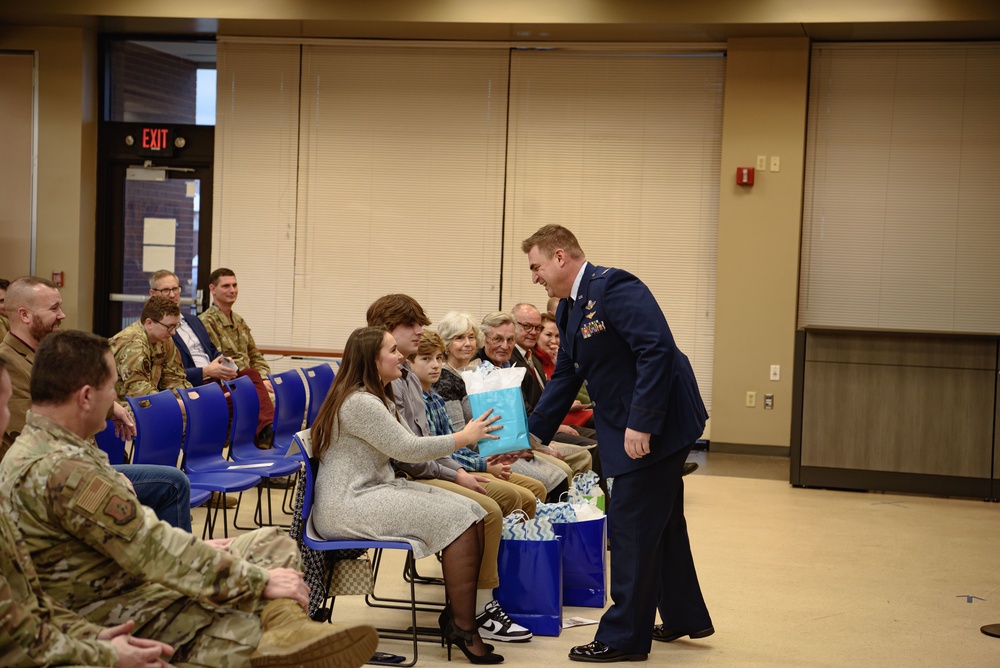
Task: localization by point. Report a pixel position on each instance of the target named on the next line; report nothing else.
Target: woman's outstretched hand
(478, 429)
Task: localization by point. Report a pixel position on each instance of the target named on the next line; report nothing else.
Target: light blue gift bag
(499, 389)
(509, 405)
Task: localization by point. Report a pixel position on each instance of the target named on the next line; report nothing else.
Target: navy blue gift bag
(531, 580)
(585, 561)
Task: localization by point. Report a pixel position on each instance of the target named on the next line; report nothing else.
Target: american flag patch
(90, 499)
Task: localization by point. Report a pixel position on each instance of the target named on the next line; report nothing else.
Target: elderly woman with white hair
(462, 338)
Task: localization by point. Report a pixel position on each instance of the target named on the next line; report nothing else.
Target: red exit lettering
(154, 139)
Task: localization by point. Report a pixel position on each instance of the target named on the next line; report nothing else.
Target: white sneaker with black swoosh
(494, 624)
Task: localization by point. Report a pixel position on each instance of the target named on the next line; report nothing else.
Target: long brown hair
(358, 371)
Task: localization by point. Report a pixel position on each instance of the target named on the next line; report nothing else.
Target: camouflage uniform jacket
(34, 629)
(4, 325)
(143, 367)
(19, 357)
(96, 549)
(233, 339)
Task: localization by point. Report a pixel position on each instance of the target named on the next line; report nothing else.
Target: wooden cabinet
(896, 411)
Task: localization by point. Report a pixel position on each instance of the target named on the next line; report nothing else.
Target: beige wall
(759, 229)
(67, 159)
(16, 112)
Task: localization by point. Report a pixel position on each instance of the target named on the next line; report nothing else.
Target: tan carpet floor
(796, 577)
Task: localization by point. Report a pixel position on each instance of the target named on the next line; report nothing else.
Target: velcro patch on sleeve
(106, 506)
(121, 511)
(90, 498)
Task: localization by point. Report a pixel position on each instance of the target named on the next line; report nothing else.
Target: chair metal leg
(410, 574)
(384, 601)
(413, 633)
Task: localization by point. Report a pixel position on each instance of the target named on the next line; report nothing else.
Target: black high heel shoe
(451, 634)
(443, 620)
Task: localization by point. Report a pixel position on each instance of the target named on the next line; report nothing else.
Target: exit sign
(155, 141)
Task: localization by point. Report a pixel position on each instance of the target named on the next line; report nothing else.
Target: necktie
(532, 369)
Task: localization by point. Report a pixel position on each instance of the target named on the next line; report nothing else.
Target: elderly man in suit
(648, 413)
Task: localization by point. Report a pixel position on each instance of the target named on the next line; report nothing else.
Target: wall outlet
(769, 402)
(751, 399)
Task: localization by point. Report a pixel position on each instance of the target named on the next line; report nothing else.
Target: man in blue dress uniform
(648, 413)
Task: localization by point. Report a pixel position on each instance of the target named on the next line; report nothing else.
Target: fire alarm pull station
(744, 176)
(57, 278)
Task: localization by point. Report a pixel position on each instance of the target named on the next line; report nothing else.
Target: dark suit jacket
(616, 338)
(530, 388)
(193, 372)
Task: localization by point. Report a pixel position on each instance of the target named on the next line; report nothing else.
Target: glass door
(154, 212)
(162, 219)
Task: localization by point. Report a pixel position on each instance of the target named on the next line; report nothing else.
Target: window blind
(900, 212)
(256, 176)
(624, 150)
(401, 183)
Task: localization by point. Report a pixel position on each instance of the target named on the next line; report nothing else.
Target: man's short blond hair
(162, 273)
(550, 238)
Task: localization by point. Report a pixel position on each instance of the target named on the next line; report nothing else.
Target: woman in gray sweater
(358, 496)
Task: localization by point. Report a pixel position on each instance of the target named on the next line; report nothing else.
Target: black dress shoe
(598, 652)
(689, 467)
(666, 635)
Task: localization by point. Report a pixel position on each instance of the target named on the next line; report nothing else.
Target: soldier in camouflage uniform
(230, 333)
(34, 629)
(99, 552)
(145, 355)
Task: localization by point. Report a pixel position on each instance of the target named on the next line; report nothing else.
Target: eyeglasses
(169, 291)
(528, 327)
(501, 340)
(170, 328)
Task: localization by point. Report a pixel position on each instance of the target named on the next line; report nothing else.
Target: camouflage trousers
(202, 635)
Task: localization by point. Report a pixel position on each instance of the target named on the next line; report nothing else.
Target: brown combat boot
(291, 639)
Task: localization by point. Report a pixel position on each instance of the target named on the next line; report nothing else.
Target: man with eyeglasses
(145, 355)
(200, 358)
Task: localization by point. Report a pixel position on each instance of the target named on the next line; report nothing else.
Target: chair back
(304, 440)
(110, 444)
(289, 406)
(159, 427)
(207, 428)
(246, 410)
(319, 378)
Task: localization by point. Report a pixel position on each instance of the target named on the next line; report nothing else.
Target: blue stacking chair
(246, 410)
(159, 428)
(110, 444)
(304, 442)
(204, 439)
(319, 378)
(114, 448)
(289, 407)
